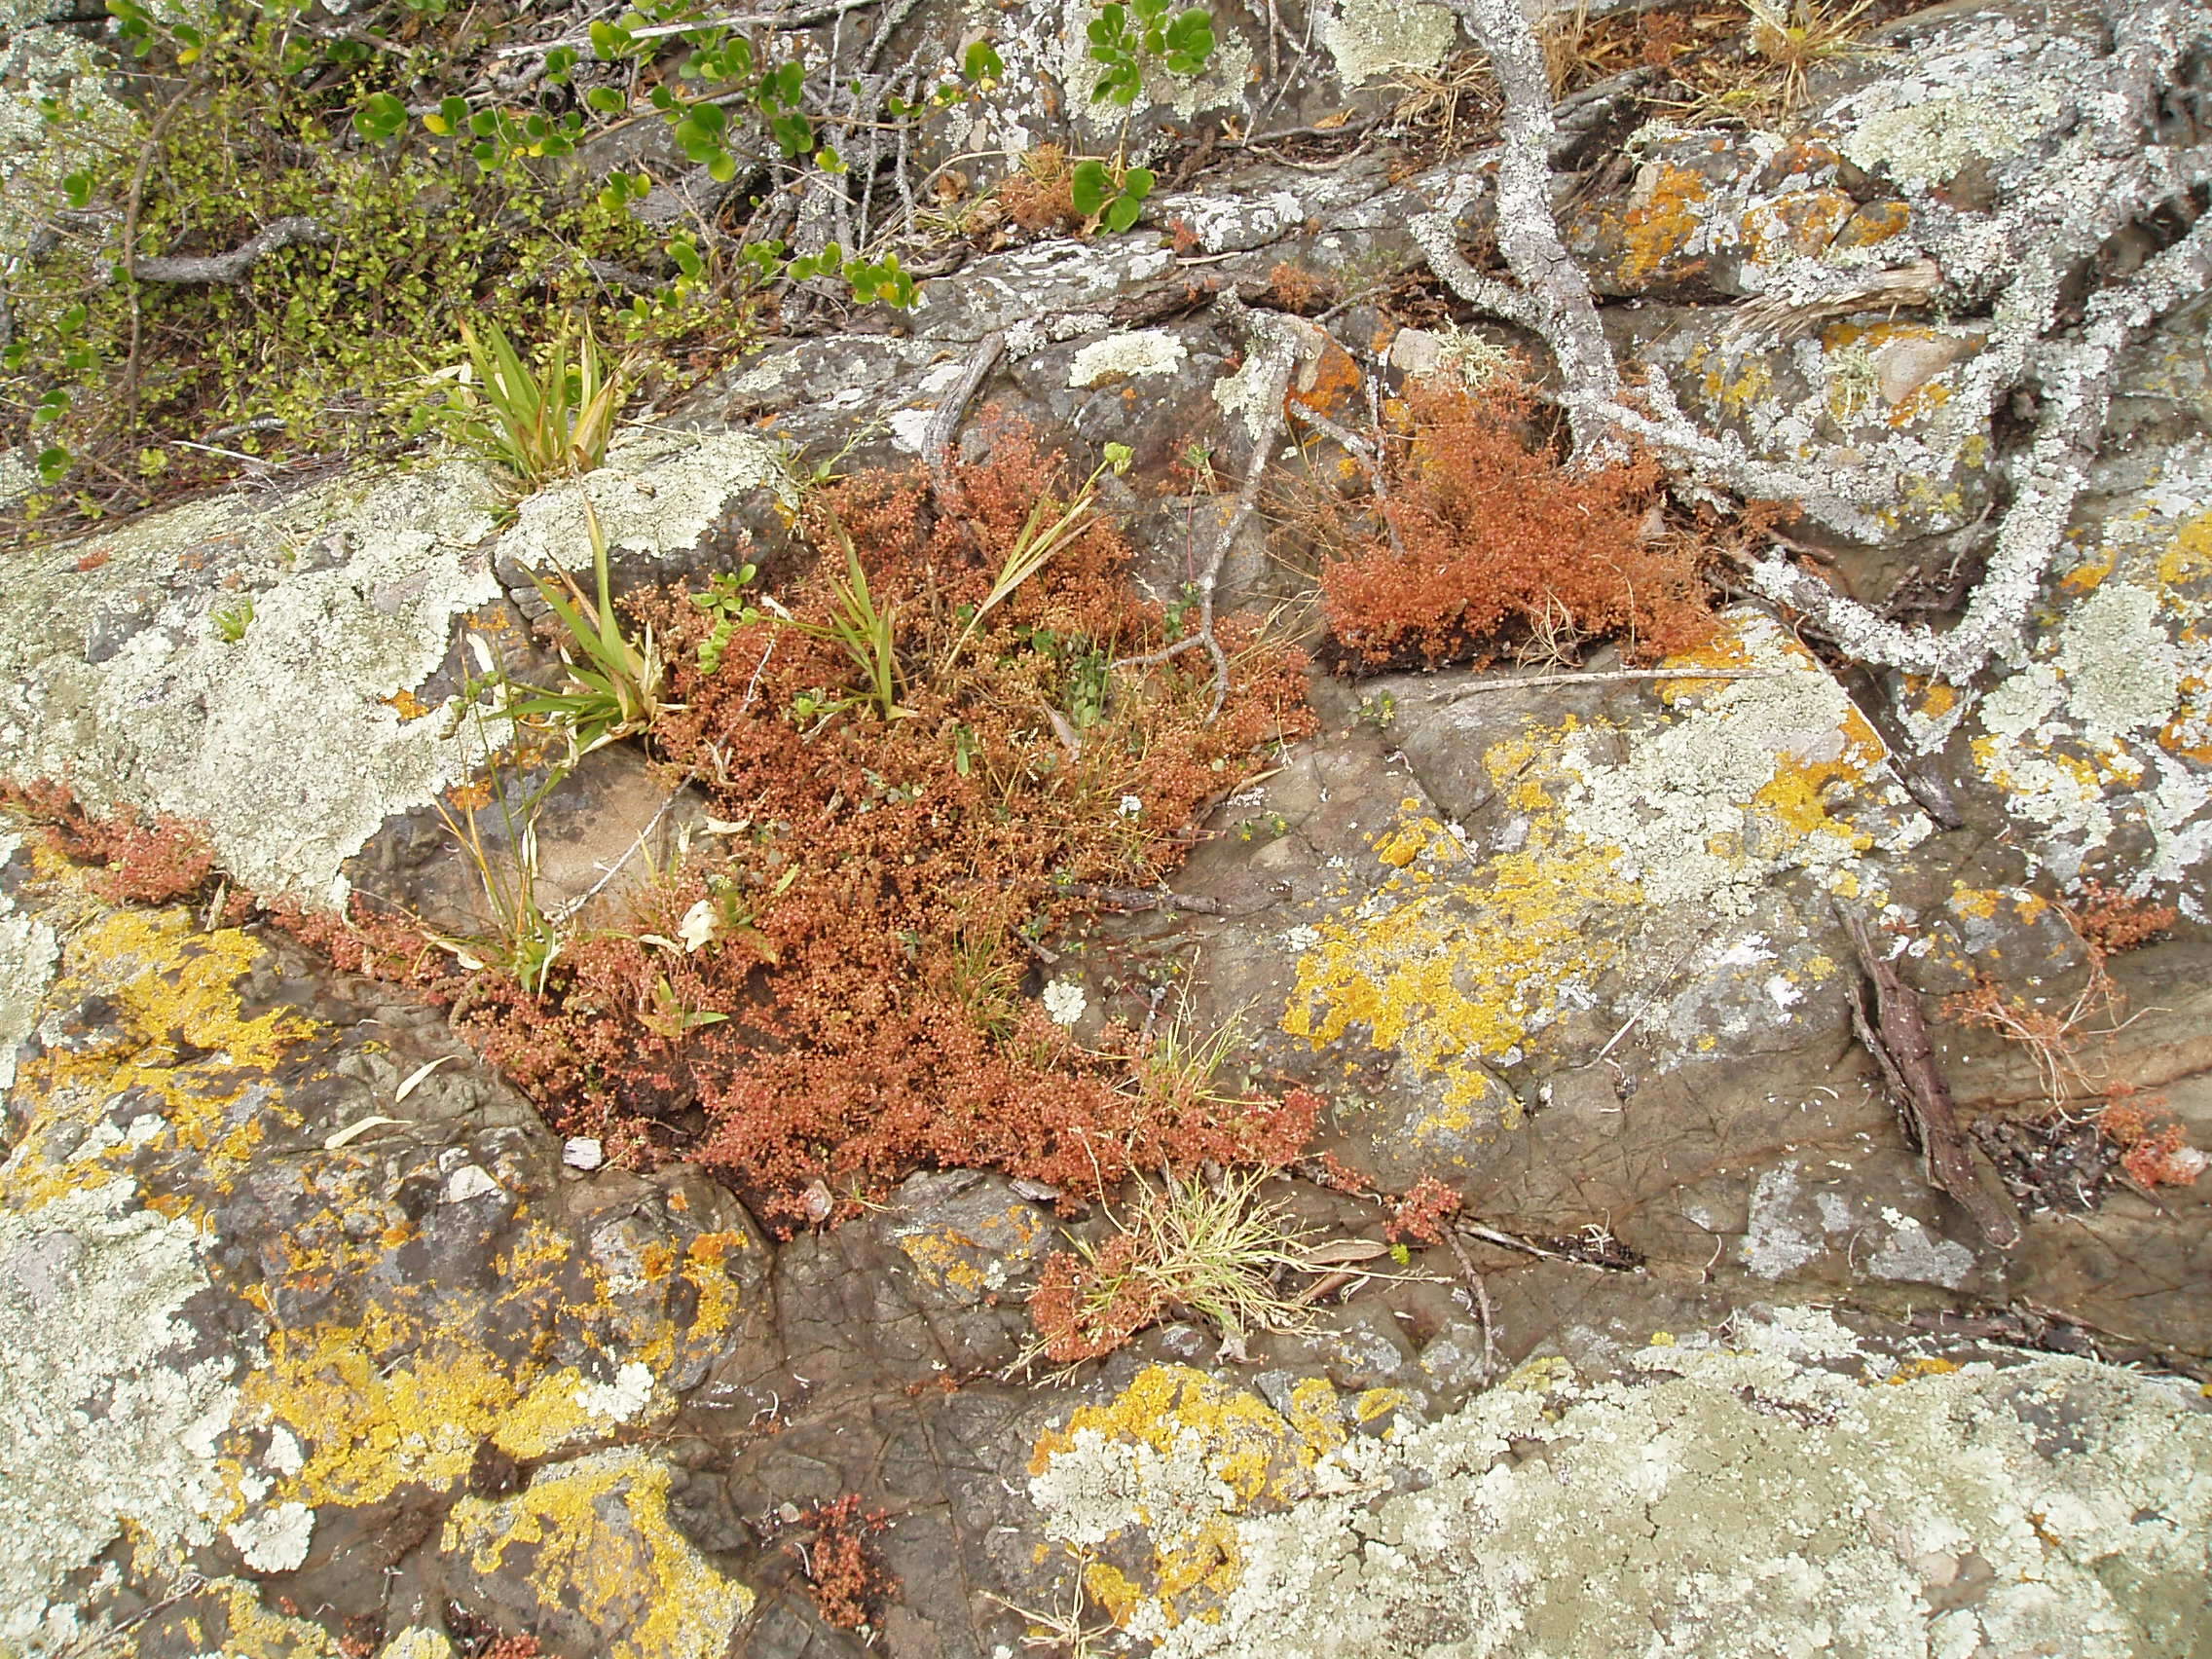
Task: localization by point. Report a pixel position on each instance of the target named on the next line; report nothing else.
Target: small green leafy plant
(233, 620)
(614, 684)
(863, 630)
(1125, 38)
(726, 602)
(539, 424)
(1107, 193)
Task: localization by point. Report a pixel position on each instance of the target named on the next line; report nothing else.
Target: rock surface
(316, 1338)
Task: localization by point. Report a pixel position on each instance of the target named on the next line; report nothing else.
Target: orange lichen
(1664, 218)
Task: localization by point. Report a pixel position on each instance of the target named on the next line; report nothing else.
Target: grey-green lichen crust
(1773, 1491)
(290, 741)
(118, 1423)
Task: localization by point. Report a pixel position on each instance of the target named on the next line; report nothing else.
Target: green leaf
(828, 161)
(53, 464)
(982, 64)
(78, 187)
(1122, 212)
(605, 99)
(722, 165)
(687, 257)
(1091, 184)
(380, 116)
(793, 134)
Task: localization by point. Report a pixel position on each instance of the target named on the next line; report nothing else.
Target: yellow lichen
(1664, 218)
(182, 1042)
(1214, 1453)
(600, 1545)
(1462, 970)
(1913, 1369)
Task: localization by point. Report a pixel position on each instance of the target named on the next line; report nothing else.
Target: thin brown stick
(1482, 1301)
(146, 153)
(1897, 1039)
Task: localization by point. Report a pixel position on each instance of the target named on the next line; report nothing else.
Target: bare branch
(1277, 349)
(2049, 478)
(1566, 316)
(232, 267)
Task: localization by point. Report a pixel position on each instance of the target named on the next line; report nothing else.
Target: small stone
(467, 1182)
(582, 1153)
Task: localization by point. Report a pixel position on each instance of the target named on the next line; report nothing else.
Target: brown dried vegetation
(1489, 540)
(2111, 921)
(1040, 194)
(845, 1577)
(859, 1010)
(141, 862)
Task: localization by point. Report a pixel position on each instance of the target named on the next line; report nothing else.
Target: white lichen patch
(621, 1400)
(2105, 728)
(285, 741)
(105, 1424)
(1370, 38)
(274, 1540)
(1760, 778)
(40, 61)
(1721, 1501)
(1986, 92)
(417, 1641)
(29, 953)
(658, 493)
(1122, 357)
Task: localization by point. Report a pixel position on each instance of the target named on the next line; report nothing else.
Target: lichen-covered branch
(1558, 305)
(2047, 480)
(232, 267)
(1276, 349)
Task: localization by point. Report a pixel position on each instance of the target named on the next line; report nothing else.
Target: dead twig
(1898, 1037)
(1482, 1301)
(1276, 352)
(945, 424)
(1141, 898)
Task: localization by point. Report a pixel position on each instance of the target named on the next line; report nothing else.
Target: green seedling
(863, 630)
(541, 424)
(614, 682)
(1040, 539)
(233, 620)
